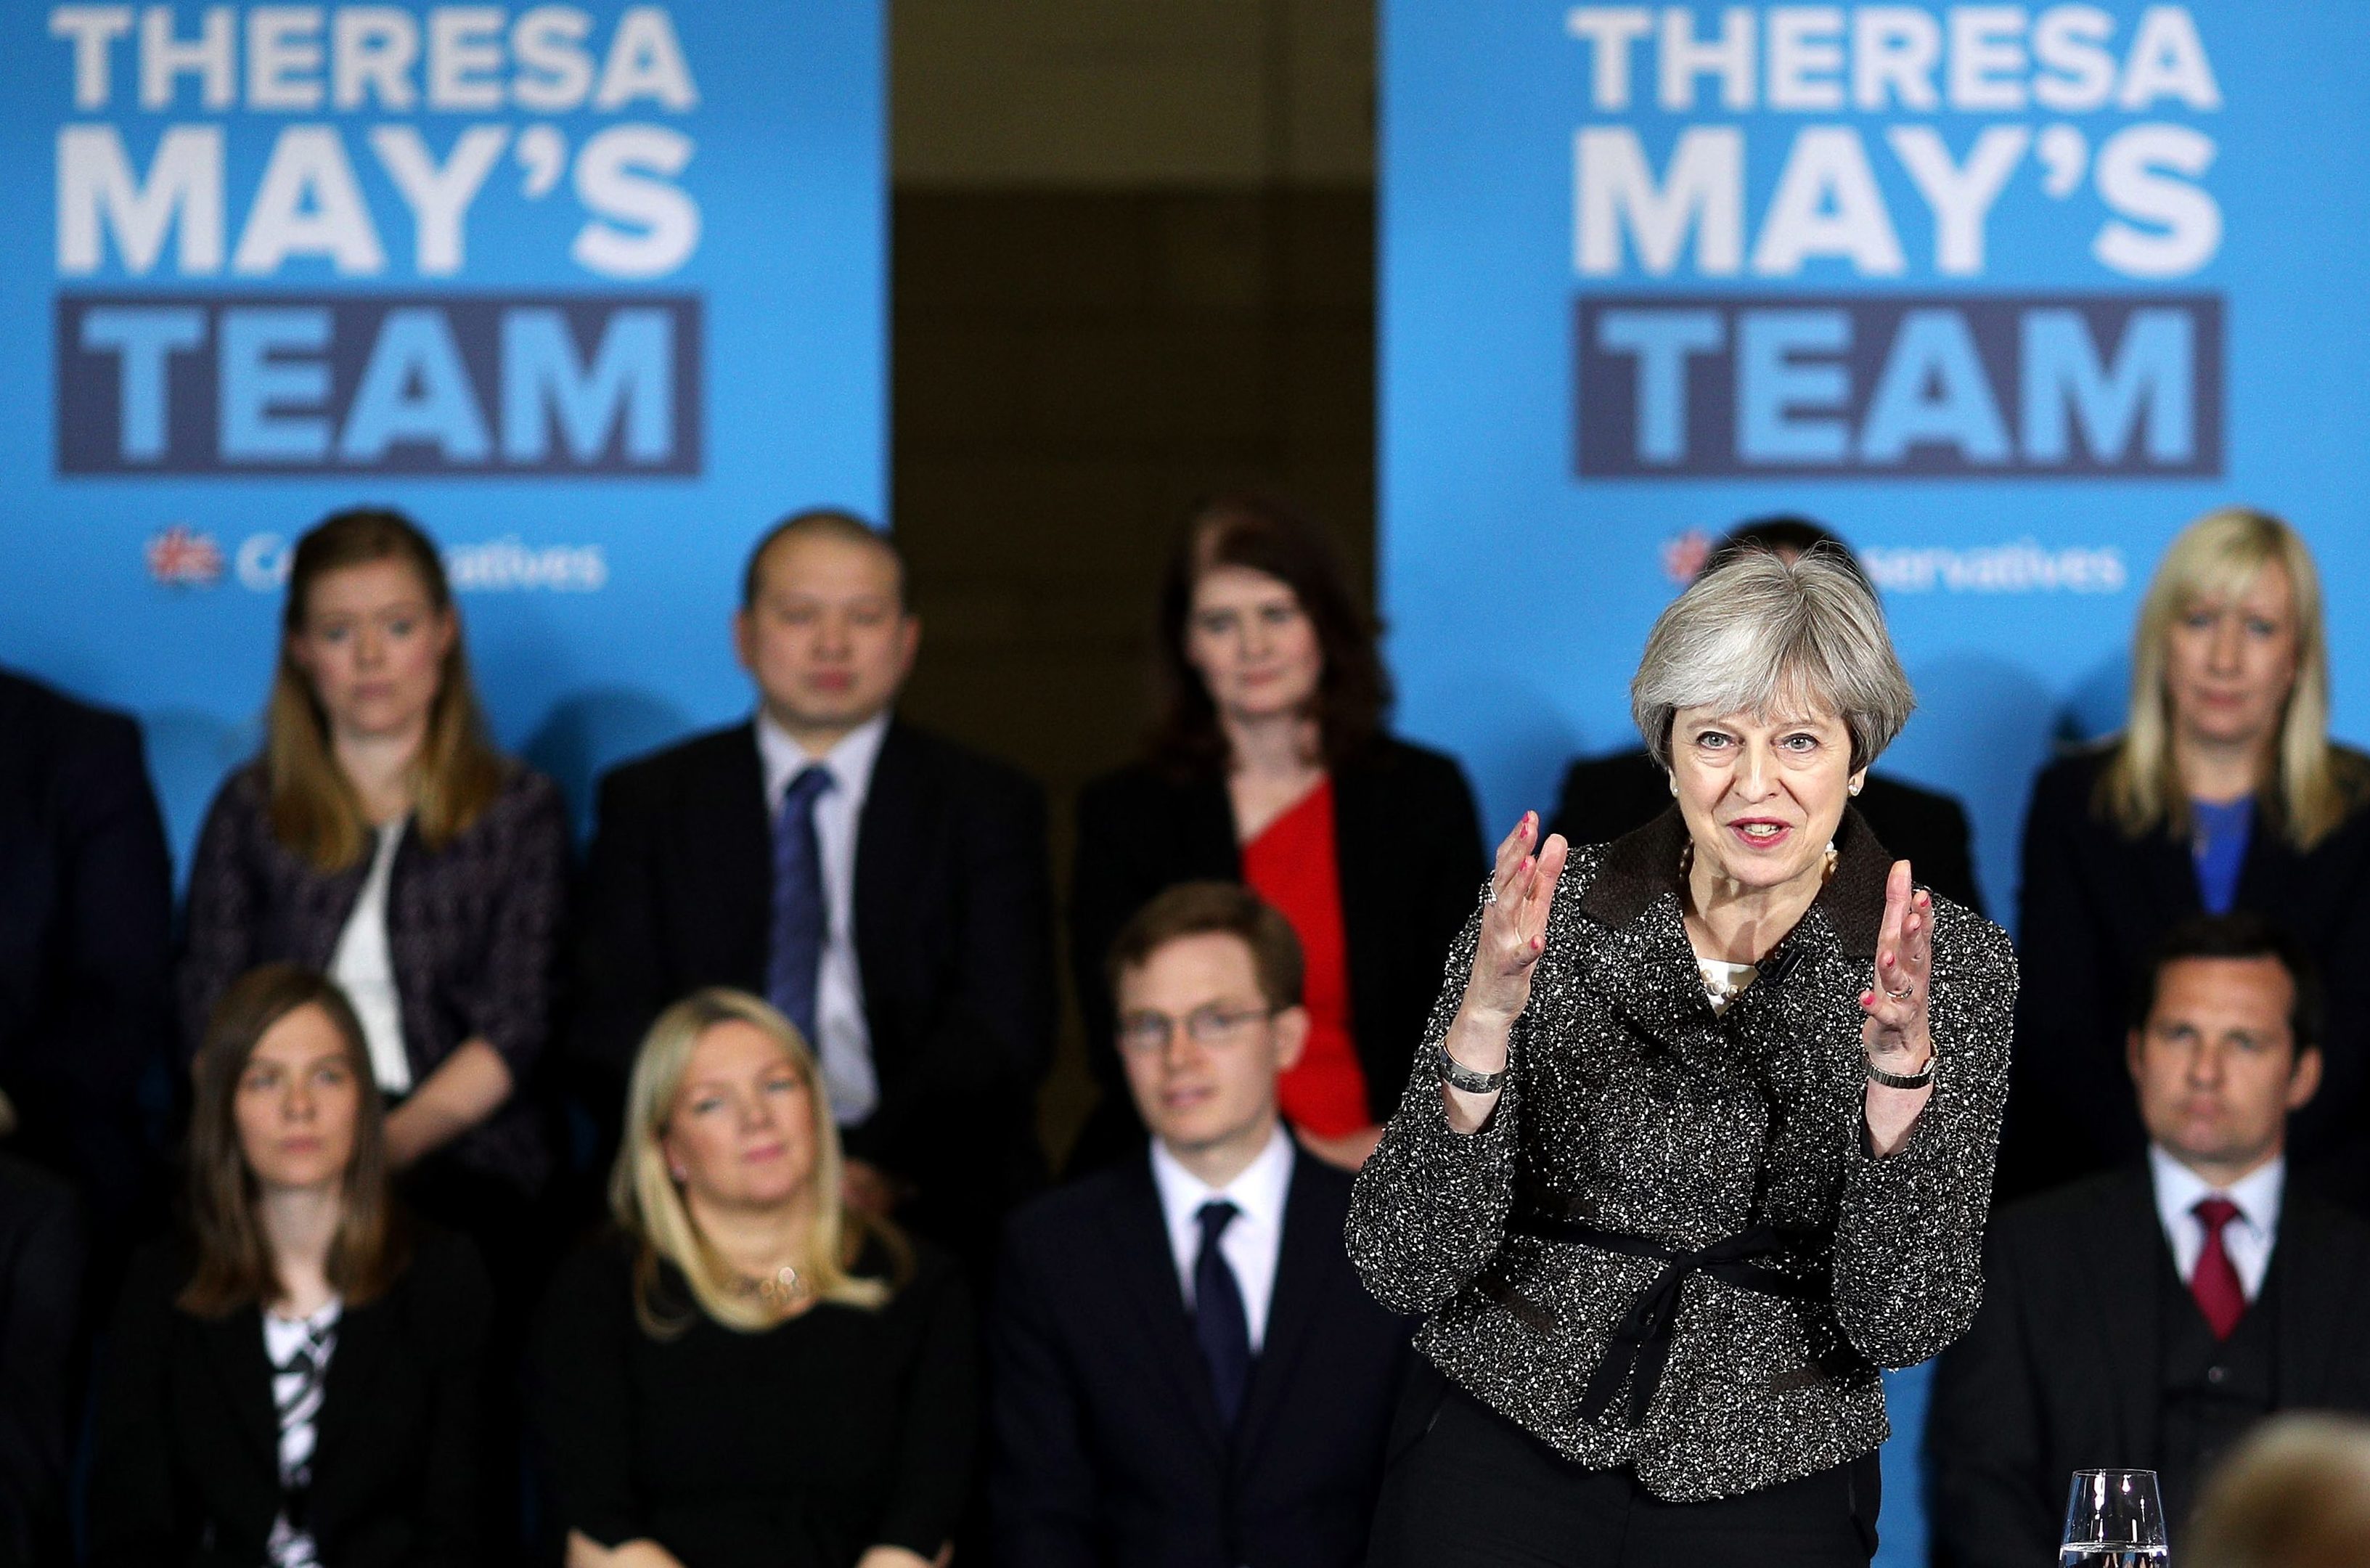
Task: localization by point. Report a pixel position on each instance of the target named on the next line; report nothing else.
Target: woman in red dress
(1270, 765)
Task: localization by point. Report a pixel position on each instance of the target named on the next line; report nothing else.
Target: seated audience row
(750, 1371)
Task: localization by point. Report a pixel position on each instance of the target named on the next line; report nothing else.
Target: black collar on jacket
(1646, 967)
(1640, 866)
(1311, 1240)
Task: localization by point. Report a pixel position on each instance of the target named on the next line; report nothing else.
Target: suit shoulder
(1327, 1187)
(966, 767)
(685, 758)
(2067, 783)
(2063, 1216)
(1049, 1223)
(1915, 800)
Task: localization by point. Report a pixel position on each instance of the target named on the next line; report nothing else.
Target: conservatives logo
(506, 565)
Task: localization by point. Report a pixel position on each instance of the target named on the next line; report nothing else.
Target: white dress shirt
(844, 1043)
(363, 966)
(1254, 1238)
(2247, 1238)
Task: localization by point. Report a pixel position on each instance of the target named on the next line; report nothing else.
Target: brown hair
(457, 776)
(234, 1263)
(1214, 909)
(820, 522)
(1353, 693)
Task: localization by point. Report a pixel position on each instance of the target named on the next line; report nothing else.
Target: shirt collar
(2178, 1190)
(1257, 1190)
(849, 763)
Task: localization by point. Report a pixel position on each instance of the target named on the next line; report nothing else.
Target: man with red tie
(2149, 1317)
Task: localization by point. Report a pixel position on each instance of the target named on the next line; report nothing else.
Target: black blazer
(1411, 857)
(953, 932)
(1605, 797)
(474, 930)
(1107, 1450)
(86, 938)
(187, 1464)
(41, 1290)
(2092, 905)
(2063, 1370)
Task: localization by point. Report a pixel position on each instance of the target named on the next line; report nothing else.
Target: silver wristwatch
(1918, 1079)
(1456, 1074)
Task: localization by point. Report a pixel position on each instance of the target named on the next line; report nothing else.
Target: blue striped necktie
(801, 920)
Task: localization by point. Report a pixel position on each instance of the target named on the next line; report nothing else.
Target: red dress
(1291, 864)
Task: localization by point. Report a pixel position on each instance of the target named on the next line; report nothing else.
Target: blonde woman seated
(749, 1375)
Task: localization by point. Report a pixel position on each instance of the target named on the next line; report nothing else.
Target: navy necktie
(1219, 1323)
(800, 921)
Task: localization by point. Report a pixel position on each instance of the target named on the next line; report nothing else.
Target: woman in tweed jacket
(1703, 1135)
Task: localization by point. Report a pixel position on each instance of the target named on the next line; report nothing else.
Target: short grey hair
(1760, 634)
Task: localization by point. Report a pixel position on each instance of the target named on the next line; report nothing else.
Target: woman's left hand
(1894, 1032)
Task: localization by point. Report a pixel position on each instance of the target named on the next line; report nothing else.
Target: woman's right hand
(1514, 927)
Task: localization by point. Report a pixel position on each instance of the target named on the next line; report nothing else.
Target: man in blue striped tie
(884, 887)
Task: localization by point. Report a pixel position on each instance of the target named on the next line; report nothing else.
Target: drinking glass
(2113, 1519)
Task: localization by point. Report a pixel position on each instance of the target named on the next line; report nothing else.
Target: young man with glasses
(1186, 1369)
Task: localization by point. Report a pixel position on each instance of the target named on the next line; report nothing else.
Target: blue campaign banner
(2005, 295)
(594, 292)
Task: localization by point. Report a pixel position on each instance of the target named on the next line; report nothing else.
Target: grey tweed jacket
(1630, 1108)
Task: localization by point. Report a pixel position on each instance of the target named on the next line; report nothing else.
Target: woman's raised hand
(1895, 1032)
(1515, 922)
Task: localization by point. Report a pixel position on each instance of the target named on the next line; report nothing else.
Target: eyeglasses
(1143, 1034)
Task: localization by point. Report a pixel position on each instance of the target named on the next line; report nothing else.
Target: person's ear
(1859, 781)
(744, 638)
(2304, 1078)
(909, 643)
(2134, 1050)
(1290, 1028)
(448, 630)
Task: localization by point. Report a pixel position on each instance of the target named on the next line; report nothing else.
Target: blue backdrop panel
(2005, 295)
(592, 290)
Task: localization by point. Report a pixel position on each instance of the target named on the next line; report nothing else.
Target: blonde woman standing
(2222, 791)
(749, 1374)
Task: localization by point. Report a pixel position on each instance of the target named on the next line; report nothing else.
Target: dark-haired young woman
(1270, 767)
(296, 1383)
(381, 840)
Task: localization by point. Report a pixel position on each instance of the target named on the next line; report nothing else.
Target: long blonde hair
(2313, 787)
(649, 1206)
(457, 774)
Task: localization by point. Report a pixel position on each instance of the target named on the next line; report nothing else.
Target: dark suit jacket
(1410, 857)
(86, 938)
(953, 933)
(2063, 1370)
(1107, 1448)
(187, 1464)
(41, 1288)
(1605, 797)
(474, 930)
(2093, 904)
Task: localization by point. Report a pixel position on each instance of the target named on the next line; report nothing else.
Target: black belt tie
(1641, 1341)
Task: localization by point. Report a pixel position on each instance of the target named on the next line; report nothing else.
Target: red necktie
(2216, 1284)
